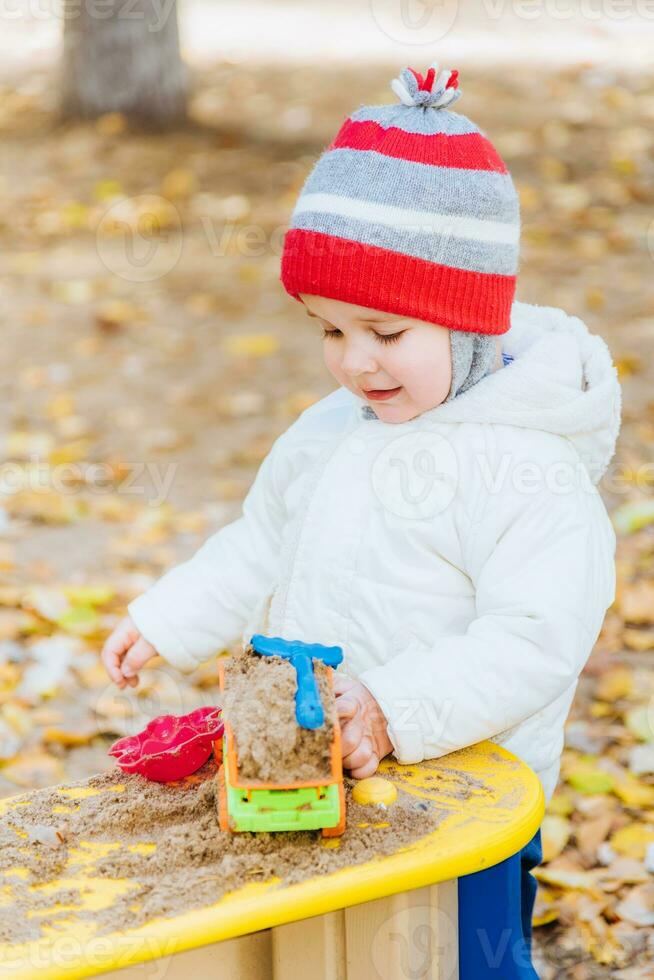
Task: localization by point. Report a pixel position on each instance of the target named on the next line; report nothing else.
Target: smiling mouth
(381, 393)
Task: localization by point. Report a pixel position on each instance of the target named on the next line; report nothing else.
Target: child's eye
(384, 338)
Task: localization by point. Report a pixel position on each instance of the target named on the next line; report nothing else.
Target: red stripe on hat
(338, 268)
(471, 151)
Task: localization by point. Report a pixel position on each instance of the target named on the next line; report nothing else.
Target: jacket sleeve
(542, 565)
(202, 605)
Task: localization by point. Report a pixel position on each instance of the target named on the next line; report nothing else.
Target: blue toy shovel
(308, 708)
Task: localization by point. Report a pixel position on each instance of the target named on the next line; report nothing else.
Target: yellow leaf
(595, 298)
(18, 717)
(641, 640)
(614, 684)
(71, 736)
(7, 552)
(555, 834)
(21, 444)
(9, 678)
(69, 452)
(89, 595)
(179, 183)
(104, 190)
(60, 406)
(567, 878)
(561, 804)
(549, 914)
(15, 622)
(33, 769)
(252, 345)
(600, 710)
(637, 602)
(634, 516)
(632, 840)
(10, 595)
(640, 722)
(79, 620)
(633, 792)
(72, 291)
(628, 364)
(586, 778)
(49, 508)
(249, 272)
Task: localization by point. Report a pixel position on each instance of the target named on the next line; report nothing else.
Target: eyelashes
(389, 338)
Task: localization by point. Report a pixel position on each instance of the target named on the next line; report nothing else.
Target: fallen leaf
(638, 905)
(252, 345)
(640, 723)
(555, 834)
(41, 833)
(616, 683)
(632, 840)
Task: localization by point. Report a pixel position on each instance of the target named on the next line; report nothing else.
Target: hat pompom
(430, 92)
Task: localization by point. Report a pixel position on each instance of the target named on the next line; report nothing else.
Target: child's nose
(358, 360)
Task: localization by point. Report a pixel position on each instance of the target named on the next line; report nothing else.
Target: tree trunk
(123, 56)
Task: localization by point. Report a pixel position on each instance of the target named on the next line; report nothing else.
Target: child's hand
(124, 653)
(364, 737)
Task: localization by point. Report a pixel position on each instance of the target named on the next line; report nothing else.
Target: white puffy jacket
(463, 560)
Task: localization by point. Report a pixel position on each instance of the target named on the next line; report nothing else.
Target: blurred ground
(150, 357)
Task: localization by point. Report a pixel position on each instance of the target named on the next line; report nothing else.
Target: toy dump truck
(261, 785)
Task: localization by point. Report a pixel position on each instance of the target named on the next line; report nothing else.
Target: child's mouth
(380, 394)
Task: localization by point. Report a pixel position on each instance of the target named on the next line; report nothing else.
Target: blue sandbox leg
(495, 911)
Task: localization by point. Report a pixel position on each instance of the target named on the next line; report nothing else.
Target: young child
(436, 516)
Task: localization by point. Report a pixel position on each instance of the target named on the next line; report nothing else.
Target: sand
(259, 704)
(194, 863)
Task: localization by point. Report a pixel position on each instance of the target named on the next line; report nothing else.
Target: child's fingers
(137, 656)
(360, 756)
(369, 768)
(351, 735)
(346, 707)
(111, 655)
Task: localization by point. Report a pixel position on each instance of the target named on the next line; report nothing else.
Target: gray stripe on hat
(371, 176)
(415, 119)
(459, 253)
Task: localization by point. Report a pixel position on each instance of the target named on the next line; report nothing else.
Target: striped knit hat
(410, 210)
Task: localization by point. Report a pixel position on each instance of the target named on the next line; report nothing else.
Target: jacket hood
(561, 380)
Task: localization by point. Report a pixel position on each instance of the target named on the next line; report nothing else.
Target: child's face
(370, 350)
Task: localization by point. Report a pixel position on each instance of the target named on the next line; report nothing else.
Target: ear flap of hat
(473, 356)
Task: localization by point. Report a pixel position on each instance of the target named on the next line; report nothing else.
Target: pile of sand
(194, 862)
(259, 704)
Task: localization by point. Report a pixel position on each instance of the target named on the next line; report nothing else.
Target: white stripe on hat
(457, 226)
